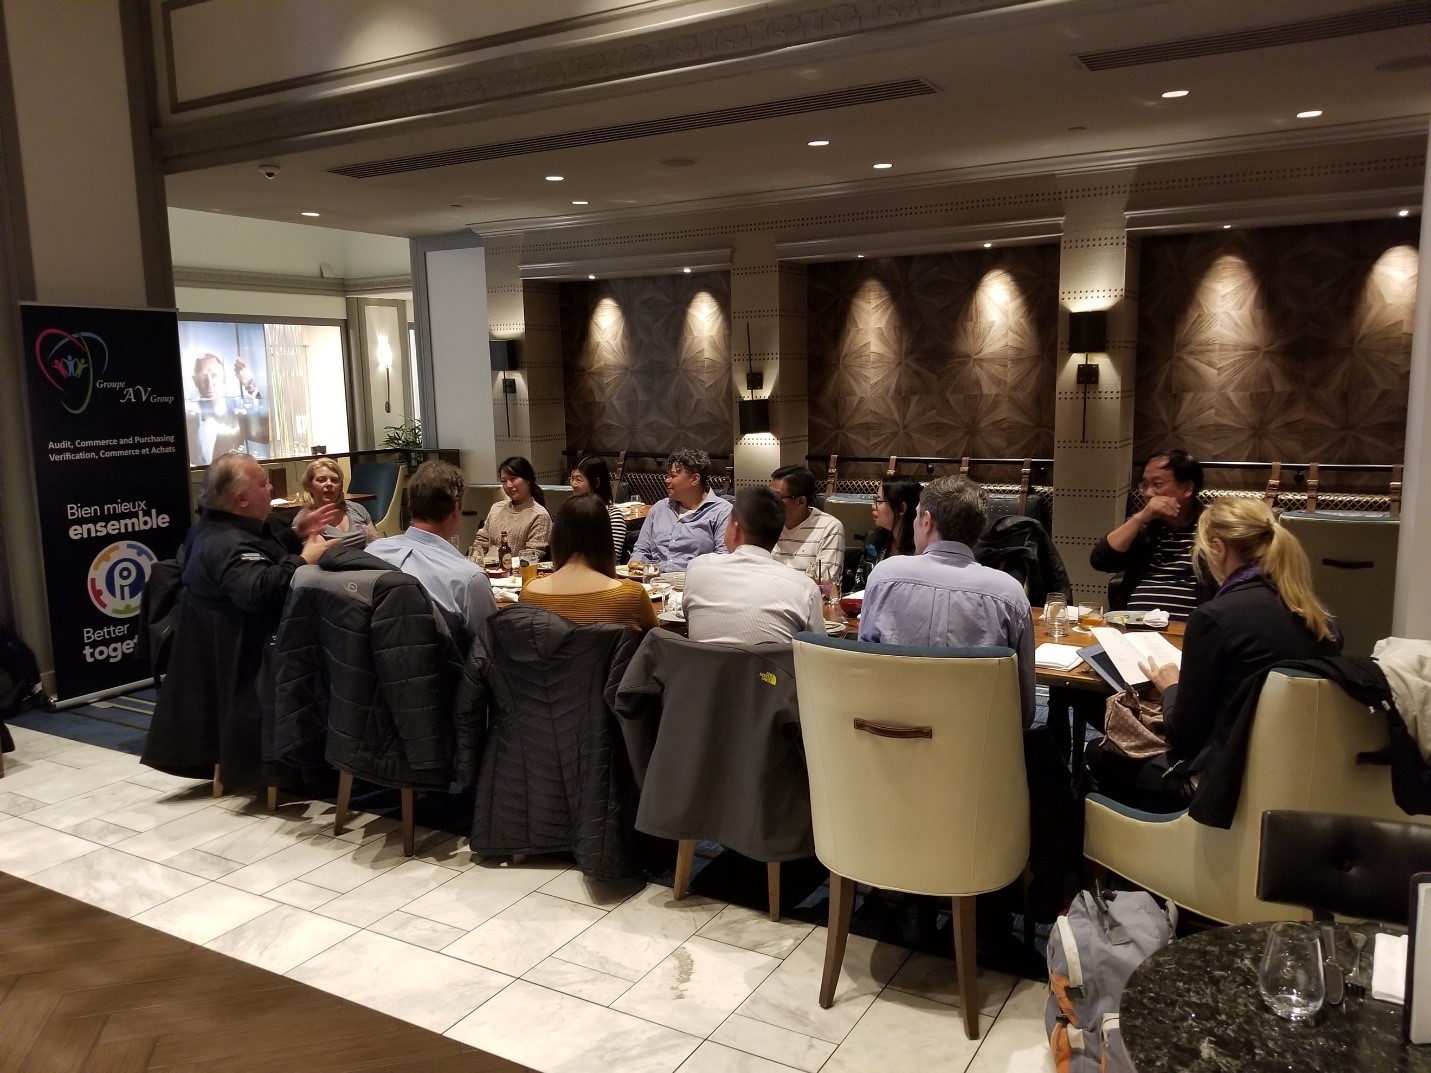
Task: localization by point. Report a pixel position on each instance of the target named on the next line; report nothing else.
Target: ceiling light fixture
(818, 142)
(881, 167)
(988, 245)
(307, 214)
(581, 202)
(687, 271)
(1227, 227)
(859, 257)
(1170, 94)
(1404, 212)
(591, 275)
(1311, 114)
(555, 178)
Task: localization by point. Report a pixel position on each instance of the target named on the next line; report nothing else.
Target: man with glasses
(1153, 548)
(810, 537)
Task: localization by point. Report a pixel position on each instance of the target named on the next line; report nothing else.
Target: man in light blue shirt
(690, 522)
(940, 597)
(455, 583)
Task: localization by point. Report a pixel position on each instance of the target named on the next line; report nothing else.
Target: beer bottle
(504, 555)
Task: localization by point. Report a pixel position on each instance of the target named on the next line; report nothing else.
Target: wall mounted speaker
(504, 355)
(1088, 332)
(754, 416)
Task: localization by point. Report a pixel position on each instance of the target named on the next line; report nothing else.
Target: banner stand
(104, 694)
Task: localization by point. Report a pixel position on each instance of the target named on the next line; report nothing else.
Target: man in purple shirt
(940, 597)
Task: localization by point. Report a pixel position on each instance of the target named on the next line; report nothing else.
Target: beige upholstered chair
(1302, 755)
(917, 780)
(1353, 559)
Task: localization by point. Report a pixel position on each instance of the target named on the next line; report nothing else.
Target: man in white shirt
(810, 535)
(455, 583)
(746, 597)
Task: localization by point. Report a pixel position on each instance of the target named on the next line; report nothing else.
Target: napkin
(1156, 618)
(1388, 968)
(1056, 657)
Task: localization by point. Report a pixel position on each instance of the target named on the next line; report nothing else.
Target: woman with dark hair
(592, 475)
(895, 505)
(522, 515)
(585, 588)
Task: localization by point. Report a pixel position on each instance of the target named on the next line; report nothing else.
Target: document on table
(1127, 650)
(1056, 657)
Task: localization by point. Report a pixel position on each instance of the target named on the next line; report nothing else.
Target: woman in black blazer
(1264, 612)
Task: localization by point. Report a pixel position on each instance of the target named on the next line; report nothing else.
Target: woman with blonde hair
(1265, 612)
(323, 486)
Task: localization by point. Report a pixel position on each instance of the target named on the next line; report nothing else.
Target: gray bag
(1092, 951)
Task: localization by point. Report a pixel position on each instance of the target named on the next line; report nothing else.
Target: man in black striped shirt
(1153, 548)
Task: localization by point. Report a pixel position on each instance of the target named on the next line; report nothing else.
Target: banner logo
(68, 363)
(117, 577)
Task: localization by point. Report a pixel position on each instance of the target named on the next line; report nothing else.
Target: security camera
(269, 171)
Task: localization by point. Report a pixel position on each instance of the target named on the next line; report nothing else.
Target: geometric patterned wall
(1282, 344)
(646, 363)
(941, 354)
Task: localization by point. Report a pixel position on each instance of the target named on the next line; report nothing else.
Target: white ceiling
(1011, 89)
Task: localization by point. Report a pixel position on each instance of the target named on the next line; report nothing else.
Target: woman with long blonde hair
(323, 486)
(1265, 612)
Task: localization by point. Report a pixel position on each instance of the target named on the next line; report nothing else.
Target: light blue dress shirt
(944, 599)
(455, 583)
(673, 539)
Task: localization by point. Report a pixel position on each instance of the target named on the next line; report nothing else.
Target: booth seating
(385, 482)
(917, 781)
(1353, 558)
(1355, 866)
(1305, 739)
(553, 775)
(714, 739)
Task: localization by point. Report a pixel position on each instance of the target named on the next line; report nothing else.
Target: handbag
(1133, 727)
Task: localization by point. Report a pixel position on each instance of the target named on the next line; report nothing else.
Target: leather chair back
(1353, 865)
(1353, 561)
(385, 481)
(916, 764)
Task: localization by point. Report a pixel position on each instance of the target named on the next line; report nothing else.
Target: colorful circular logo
(117, 577)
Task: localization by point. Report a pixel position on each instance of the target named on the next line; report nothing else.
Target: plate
(673, 617)
(835, 629)
(514, 583)
(1124, 618)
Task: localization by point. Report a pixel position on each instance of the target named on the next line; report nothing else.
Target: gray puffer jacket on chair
(553, 775)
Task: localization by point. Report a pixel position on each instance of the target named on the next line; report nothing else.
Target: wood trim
(280, 283)
(888, 730)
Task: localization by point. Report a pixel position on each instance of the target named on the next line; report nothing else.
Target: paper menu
(1126, 650)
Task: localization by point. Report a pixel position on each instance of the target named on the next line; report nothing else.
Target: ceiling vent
(1367, 20)
(818, 102)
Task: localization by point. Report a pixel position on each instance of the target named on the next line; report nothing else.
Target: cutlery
(1356, 986)
(1331, 971)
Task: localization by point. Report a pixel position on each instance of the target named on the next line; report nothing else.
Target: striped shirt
(820, 538)
(1169, 582)
(618, 529)
(625, 605)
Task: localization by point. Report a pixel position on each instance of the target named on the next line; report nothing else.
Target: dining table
(1194, 1007)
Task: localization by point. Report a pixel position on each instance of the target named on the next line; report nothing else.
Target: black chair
(1329, 863)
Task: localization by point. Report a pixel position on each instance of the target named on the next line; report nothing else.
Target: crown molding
(924, 240)
(278, 283)
(717, 260)
(1072, 164)
(1274, 211)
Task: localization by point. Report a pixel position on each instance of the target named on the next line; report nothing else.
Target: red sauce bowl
(851, 605)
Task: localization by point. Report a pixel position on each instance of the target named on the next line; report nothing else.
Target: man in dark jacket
(237, 571)
(1153, 548)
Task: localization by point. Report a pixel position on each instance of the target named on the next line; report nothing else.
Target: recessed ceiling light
(1312, 114)
(881, 167)
(988, 245)
(591, 275)
(581, 203)
(307, 214)
(555, 178)
(859, 257)
(1227, 227)
(687, 271)
(1404, 212)
(818, 142)
(1175, 93)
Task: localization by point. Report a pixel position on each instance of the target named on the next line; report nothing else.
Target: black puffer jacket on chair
(554, 775)
(367, 675)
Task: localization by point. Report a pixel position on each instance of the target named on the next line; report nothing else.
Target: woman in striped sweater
(592, 475)
(585, 588)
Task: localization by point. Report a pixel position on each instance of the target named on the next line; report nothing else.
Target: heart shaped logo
(71, 362)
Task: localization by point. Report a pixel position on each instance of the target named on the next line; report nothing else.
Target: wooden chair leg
(409, 834)
(218, 782)
(966, 963)
(345, 794)
(273, 799)
(408, 830)
(685, 859)
(772, 885)
(842, 907)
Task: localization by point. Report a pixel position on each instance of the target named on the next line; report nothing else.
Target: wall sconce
(1088, 332)
(385, 363)
(754, 416)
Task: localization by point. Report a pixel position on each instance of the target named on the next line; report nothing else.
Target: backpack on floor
(1092, 952)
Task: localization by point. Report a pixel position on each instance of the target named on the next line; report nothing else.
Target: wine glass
(657, 586)
(1054, 609)
(1290, 979)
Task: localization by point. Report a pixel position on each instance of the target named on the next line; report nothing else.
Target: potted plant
(406, 437)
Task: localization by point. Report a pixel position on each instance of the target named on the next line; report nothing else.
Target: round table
(1193, 1007)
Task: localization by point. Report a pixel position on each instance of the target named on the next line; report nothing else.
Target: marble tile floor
(529, 962)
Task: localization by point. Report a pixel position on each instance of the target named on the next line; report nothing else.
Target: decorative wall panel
(944, 354)
(647, 363)
(1288, 344)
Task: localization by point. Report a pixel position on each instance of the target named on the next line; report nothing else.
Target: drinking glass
(657, 586)
(1053, 615)
(1091, 616)
(1290, 980)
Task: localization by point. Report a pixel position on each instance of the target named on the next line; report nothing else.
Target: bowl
(851, 605)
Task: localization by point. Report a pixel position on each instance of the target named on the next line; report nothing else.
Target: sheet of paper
(1127, 650)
